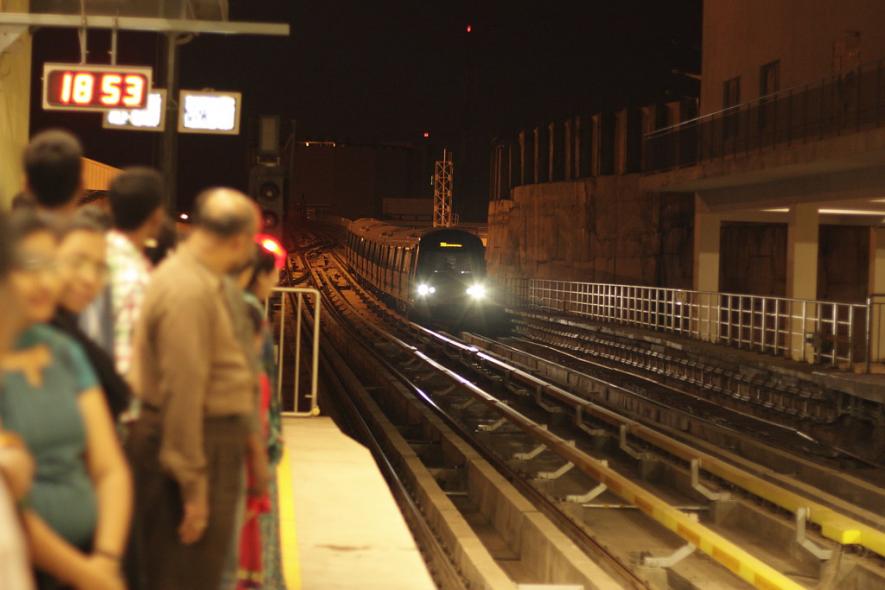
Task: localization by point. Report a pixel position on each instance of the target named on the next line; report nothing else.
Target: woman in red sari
(260, 559)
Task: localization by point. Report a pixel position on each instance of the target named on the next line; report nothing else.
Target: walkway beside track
(340, 525)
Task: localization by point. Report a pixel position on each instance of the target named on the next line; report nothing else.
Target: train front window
(451, 262)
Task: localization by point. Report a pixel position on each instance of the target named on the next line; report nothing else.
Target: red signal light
(272, 245)
(469, 28)
(427, 135)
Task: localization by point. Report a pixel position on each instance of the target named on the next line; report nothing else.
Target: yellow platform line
(288, 539)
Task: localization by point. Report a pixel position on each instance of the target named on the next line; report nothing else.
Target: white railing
(840, 334)
(304, 399)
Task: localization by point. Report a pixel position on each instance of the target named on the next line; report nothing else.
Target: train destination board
(82, 87)
(209, 111)
(150, 118)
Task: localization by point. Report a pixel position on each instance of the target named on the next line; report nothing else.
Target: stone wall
(844, 268)
(753, 258)
(600, 229)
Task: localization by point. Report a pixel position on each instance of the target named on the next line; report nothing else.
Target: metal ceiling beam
(145, 24)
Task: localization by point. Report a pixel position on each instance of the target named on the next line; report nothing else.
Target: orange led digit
(135, 93)
(67, 80)
(110, 89)
(83, 87)
(84, 83)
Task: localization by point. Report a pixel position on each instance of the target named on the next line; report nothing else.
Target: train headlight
(424, 289)
(476, 291)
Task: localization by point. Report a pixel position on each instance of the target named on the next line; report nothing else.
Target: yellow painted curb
(288, 539)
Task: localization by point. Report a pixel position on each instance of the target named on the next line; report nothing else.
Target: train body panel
(432, 273)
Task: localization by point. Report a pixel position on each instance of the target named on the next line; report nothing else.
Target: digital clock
(81, 87)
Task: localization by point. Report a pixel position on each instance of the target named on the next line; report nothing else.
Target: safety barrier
(851, 101)
(300, 397)
(840, 334)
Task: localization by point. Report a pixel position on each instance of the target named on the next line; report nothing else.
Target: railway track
(451, 489)
(822, 416)
(741, 439)
(632, 492)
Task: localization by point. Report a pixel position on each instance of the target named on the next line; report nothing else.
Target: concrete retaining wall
(600, 229)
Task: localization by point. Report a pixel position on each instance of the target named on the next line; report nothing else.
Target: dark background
(359, 71)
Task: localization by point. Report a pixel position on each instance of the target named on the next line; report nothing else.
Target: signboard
(209, 112)
(81, 87)
(150, 118)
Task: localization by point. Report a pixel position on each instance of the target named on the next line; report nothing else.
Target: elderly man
(197, 387)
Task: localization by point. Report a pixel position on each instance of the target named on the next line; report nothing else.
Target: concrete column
(621, 141)
(567, 151)
(493, 174)
(877, 260)
(510, 170)
(674, 112)
(551, 152)
(536, 164)
(802, 243)
(707, 244)
(596, 148)
(576, 156)
(647, 116)
(706, 247)
(15, 107)
(522, 175)
(877, 286)
(803, 233)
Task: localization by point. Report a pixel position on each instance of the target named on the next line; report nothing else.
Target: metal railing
(839, 334)
(303, 400)
(838, 104)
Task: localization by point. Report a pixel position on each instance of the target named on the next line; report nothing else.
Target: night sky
(388, 70)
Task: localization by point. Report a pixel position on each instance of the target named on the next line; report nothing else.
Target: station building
(772, 184)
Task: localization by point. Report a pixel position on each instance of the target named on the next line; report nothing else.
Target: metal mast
(443, 175)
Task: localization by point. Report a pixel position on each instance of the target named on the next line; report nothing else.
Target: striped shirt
(130, 273)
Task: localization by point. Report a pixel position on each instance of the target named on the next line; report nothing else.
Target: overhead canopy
(195, 9)
(97, 176)
(163, 16)
(15, 22)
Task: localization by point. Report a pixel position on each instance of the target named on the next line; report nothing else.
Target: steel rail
(734, 558)
(447, 574)
(751, 464)
(834, 525)
(579, 536)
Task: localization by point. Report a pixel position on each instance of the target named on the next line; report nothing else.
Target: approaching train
(428, 273)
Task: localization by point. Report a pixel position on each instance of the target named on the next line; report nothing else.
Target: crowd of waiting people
(139, 425)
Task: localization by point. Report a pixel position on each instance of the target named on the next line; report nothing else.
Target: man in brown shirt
(197, 388)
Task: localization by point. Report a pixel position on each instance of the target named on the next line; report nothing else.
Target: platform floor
(340, 525)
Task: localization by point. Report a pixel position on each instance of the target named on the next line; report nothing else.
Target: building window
(731, 93)
(770, 78)
(769, 84)
(731, 97)
(846, 52)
